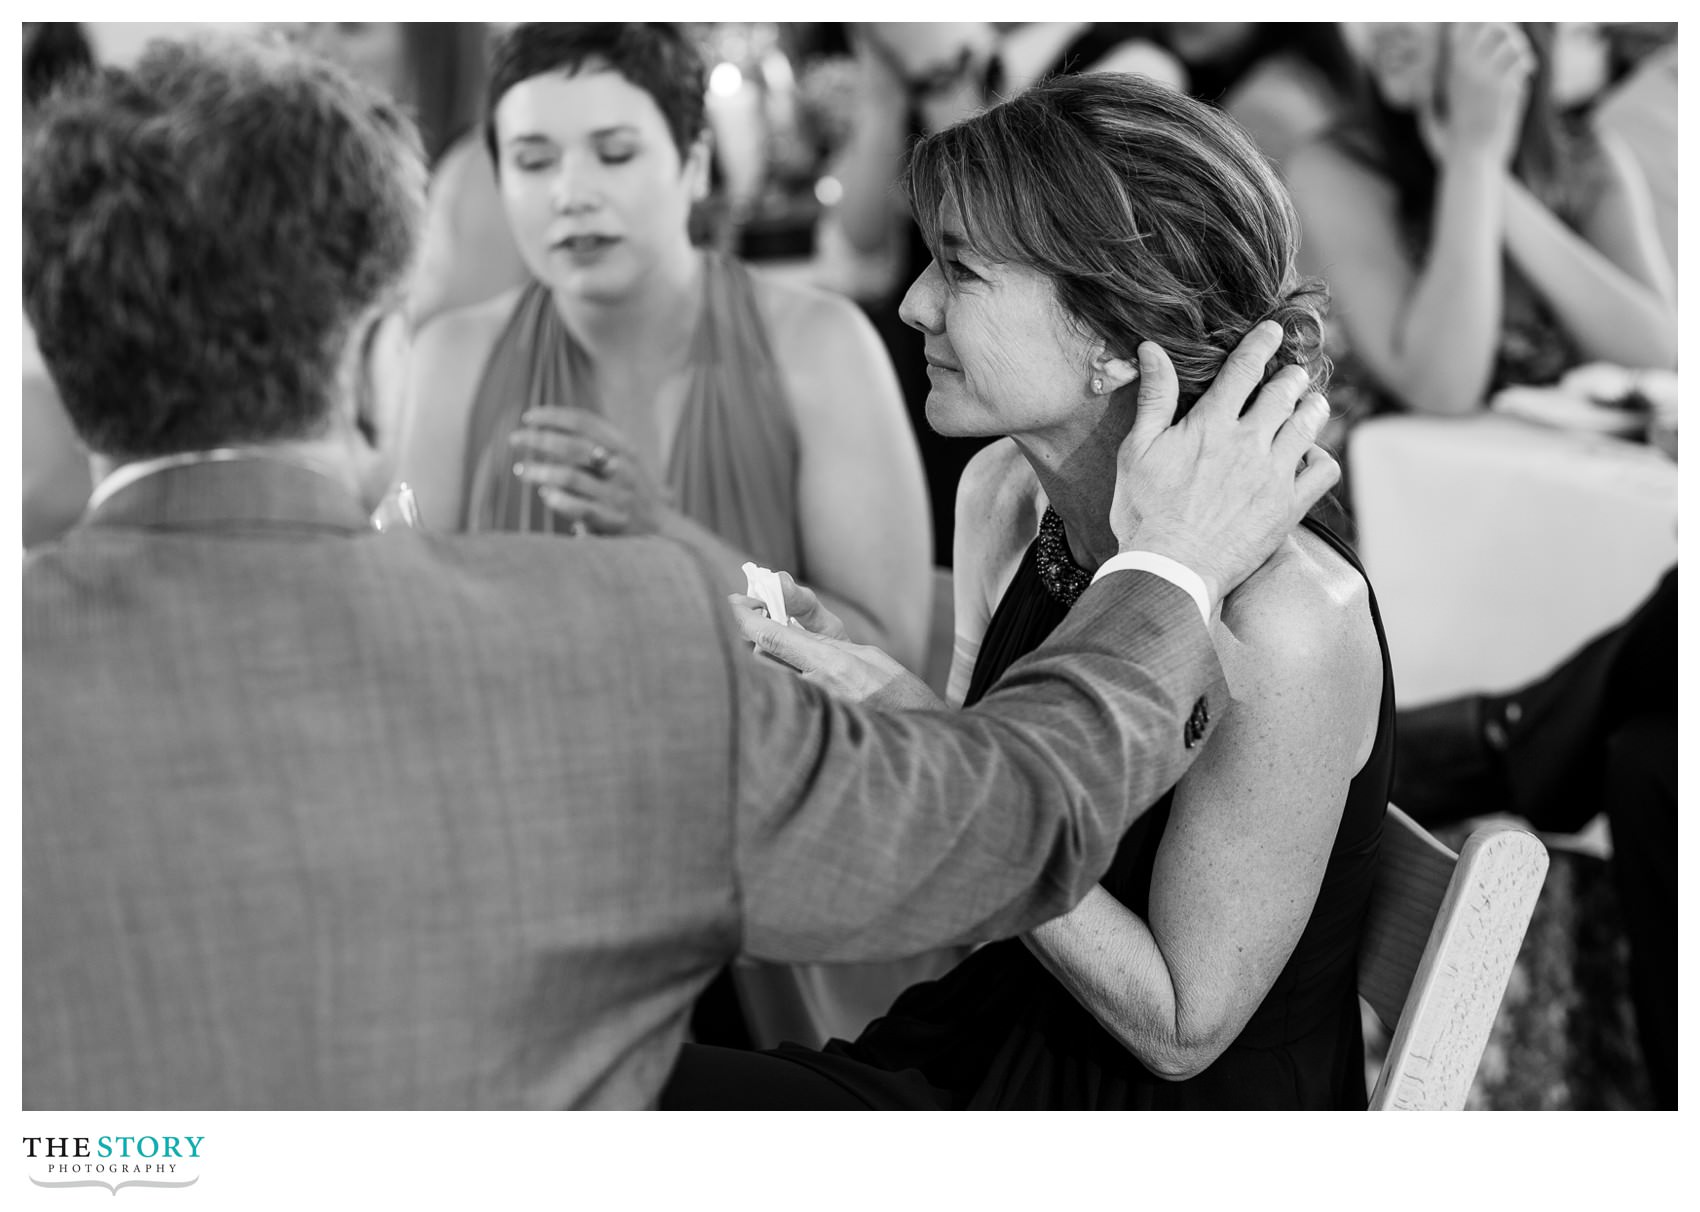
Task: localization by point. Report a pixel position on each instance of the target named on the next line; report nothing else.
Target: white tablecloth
(1497, 547)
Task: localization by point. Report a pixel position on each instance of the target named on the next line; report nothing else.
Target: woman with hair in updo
(1095, 237)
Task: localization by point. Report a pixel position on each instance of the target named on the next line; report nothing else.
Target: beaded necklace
(1063, 578)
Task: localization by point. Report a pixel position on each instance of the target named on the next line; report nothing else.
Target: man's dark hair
(54, 52)
(657, 58)
(201, 233)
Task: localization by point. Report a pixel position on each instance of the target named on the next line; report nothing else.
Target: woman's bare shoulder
(1306, 607)
(461, 330)
(804, 319)
(449, 352)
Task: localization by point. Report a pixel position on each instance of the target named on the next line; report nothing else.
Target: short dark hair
(1154, 214)
(200, 234)
(656, 57)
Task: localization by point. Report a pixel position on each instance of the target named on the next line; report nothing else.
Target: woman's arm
(447, 361)
(1248, 838)
(1428, 334)
(862, 500)
(1610, 286)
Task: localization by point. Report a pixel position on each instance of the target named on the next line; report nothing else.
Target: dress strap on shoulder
(732, 327)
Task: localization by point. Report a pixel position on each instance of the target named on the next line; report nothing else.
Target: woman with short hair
(638, 385)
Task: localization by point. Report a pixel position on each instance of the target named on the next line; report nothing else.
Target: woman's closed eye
(956, 271)
(534, 162)
(615, 148)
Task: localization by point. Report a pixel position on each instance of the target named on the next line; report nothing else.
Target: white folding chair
(1442, 934)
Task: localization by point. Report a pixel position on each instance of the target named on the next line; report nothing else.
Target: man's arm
(865, 835)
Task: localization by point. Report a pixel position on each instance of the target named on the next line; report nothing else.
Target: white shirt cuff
(1172, 571)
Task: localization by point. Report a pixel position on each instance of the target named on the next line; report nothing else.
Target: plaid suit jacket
(316, 817)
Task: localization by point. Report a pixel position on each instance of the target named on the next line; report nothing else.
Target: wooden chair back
(1442, 934)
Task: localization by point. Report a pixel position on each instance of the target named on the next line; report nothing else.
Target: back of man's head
(201, 233)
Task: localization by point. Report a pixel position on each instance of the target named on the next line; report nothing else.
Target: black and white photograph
(775, 566)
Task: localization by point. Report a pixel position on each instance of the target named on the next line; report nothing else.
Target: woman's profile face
(1403, 58)
(594, 189)
(1003, 356)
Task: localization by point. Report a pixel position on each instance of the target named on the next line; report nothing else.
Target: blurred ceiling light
(725, 80)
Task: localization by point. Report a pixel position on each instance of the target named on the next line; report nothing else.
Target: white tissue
(764, 584)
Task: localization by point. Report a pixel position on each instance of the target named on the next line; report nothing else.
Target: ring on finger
(601, 458)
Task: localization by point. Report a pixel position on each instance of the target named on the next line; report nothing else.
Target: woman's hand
(857, 672)
(588, 473)
(1488, 68)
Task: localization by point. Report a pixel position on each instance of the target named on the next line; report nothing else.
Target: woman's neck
(1076, 468)
(653, 324)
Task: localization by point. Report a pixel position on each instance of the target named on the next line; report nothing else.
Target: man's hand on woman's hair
(1219, 491)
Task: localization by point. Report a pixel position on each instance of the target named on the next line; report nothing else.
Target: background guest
(1470, 239)
(638, 385)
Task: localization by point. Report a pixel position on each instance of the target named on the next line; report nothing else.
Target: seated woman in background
(1471, 241)
(1089, 219)
(637, 385)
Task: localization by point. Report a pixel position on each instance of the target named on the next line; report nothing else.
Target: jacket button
(1197, 723)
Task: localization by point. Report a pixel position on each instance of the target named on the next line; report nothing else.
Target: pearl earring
(1098, 386)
